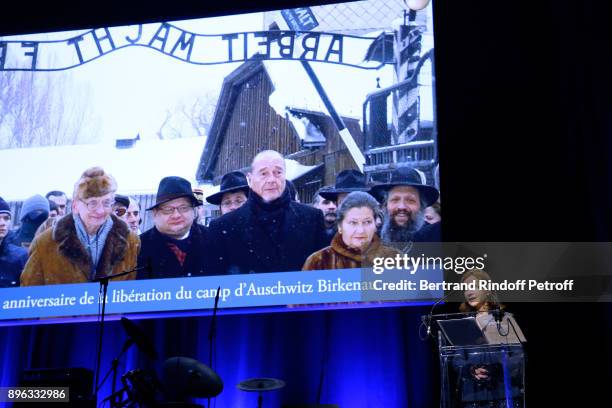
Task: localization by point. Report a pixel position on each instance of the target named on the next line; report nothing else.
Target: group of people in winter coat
(263, 228)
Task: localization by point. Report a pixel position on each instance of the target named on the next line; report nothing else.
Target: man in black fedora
(404, 199)
(174, 247)
(347, 181)
(270, 232)
(232, 194)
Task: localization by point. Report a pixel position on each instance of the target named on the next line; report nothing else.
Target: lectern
(482, 360)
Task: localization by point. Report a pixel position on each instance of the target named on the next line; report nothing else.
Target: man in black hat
(270, 232)
(60, 199)
(174, 247)
(404, 199)
(12, 257)
(347, 181)
(121, 206)
(232, 194)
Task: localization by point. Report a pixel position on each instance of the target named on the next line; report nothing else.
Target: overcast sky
(131, 89)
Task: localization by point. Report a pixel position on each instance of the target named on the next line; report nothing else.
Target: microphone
(497, 313)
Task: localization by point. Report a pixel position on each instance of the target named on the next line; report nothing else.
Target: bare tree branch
(35, 110)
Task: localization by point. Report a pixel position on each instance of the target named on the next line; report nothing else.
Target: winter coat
(265, 237)
(156, 253)
(339, 256)
(25, 234)
(329, 234)
(12, 261)
(57, 255)
(429, 233)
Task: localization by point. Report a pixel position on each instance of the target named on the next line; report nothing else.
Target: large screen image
(245, 162)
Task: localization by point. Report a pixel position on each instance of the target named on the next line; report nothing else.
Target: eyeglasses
(228, 203)
(93, 204)
(120, 212)
(170, 210)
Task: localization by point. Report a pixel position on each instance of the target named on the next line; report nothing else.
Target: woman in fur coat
(356, 243)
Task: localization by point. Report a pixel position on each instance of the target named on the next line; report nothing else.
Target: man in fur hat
(270, 232)
(174, 247)
(87, 244)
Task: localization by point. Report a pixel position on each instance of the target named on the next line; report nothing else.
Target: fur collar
(340, 247)
(115, 247)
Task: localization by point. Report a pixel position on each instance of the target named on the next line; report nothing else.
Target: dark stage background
(524, 132)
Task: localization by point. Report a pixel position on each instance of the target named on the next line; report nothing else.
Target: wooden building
(245, 123)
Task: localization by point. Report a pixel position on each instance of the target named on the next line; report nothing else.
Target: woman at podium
(489, 374)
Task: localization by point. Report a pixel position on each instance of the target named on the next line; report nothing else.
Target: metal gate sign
(193, 48)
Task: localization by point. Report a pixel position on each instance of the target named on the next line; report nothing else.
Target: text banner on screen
(266, 289)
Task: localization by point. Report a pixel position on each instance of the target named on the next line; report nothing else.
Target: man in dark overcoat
(270, 232)
(174, 247)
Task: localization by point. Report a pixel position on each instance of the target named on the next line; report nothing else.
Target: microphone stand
(212, 334)
(114, 367)
(104, 280)
(498, 312)
(430, 314)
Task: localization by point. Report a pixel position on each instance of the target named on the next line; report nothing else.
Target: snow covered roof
(137, 170)
(346, 87)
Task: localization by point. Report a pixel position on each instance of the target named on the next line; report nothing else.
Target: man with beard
(404, 199)
(329, 213)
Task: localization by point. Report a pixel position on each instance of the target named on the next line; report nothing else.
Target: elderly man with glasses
(89, 243)
(174, 246)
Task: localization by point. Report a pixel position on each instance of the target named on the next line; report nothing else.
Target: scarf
(179, 247)
(270, 215)
(93, 243)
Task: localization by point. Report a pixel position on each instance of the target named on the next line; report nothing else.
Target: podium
(482, 360)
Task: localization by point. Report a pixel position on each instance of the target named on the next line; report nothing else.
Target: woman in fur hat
(87, 244)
